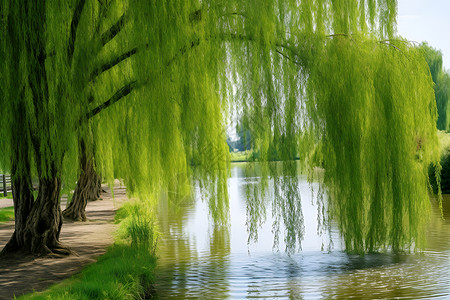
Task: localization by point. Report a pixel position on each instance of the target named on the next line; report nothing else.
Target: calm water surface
(201, 261)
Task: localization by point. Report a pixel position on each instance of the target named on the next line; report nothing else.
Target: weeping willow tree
(441, 80)
(48, 71)
(147, 87)
(376, 171)
(88, 187)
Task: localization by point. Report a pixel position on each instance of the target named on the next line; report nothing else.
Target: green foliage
(6, 214)
(322, 80)
(242, 156)
(286, 204)
(441, 80)
(376, 125)
(442, 92)
(126, 271)
(444, 176)
(444, 141)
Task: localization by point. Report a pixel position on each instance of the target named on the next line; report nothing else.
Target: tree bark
(88, 187)
(22, 190)
(43, 226)
(37, 225)
(22, 187)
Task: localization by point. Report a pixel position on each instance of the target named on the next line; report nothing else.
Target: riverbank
(24, 274)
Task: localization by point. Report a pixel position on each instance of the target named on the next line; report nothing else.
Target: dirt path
(21, 275)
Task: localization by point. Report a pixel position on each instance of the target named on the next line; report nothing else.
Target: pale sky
(426, 20)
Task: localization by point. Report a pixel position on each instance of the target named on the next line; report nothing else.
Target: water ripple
(200, 261)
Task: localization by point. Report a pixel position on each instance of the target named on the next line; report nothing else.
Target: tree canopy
(150, 86)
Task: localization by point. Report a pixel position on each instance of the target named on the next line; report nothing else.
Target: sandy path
(6, 202)
(20, 275)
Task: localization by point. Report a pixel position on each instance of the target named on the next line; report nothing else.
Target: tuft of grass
(137, 225)
(126, 271)
(6, 214)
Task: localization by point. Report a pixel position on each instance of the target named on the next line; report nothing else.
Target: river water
(198, 260)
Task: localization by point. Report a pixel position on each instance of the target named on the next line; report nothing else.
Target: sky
(426, 20)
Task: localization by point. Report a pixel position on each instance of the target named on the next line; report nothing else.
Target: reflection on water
(201, 260)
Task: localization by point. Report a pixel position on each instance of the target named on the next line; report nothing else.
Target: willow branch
(121, 93)
(128, 88)
(114, 30)
(73, 28)
(337, 35)
(388, 43)
(288, 58)
(105, 67)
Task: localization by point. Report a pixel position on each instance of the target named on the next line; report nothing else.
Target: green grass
(126, 271)
(6, 214)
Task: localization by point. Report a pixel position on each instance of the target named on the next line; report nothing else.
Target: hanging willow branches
(151, 84)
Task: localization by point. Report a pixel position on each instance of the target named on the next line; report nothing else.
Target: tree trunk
(22, 190)
(88, 188)
(43, 226)
(22, 187)
(38, 225)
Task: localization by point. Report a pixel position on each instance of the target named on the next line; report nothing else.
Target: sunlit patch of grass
(6, 214)
(126, 271)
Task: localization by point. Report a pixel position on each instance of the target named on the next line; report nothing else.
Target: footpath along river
(203, 261)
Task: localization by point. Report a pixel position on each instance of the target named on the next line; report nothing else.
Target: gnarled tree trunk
(22, 190)
(43, 226)
(37, 224)
(22, 187)
(88, 187)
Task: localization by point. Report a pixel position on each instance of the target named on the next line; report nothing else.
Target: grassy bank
(242, 156)
(126, 270)
(251, 156)
(6, 214)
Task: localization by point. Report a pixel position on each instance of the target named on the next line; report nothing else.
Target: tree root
(56, 251)
(61, 250)
(10, 247)
(70, 213)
